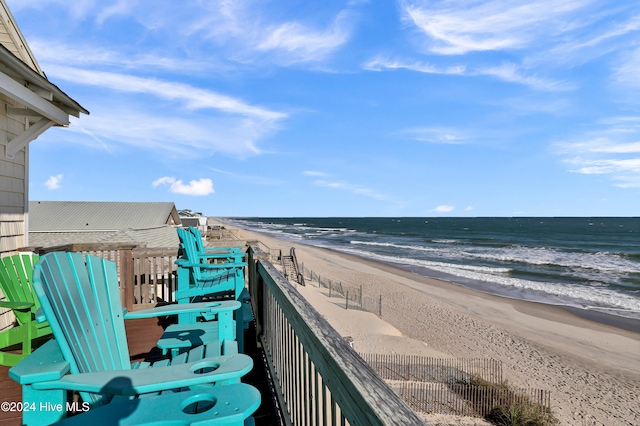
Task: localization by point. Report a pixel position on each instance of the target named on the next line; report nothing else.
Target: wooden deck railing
(147, 276)
(319, 379)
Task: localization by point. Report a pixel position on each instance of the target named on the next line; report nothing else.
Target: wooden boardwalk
(142, 336)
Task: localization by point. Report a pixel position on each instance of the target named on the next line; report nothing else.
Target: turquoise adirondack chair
(15, 283)
(81, 300)
(197, 279)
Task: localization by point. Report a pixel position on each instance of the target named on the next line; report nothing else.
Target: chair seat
(178, 336)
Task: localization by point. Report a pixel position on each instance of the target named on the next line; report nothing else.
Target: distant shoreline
(537, 309)
(615, 321)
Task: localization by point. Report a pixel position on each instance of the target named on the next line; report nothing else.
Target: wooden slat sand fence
(466, 399)
(441, 370)
(353, 295)
(318, 378)
(459, 386)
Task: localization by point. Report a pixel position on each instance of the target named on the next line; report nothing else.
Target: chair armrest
(221, 255)
(154, 379)
(45, 363)
(186, 264)
(40, 317)
(18, 306)
(226, 249)
(203, 308)
(233, 404)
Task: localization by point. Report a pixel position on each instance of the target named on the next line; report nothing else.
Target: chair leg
(18, 335)
(45, 407)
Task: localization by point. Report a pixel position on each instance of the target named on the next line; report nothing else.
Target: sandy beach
(592, 368)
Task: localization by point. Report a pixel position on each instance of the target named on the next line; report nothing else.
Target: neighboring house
(146, 224)
(29, 105)
(195, 219)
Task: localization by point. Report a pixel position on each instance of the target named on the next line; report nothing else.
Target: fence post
(360, 295)
(346, 301)
(380, 307)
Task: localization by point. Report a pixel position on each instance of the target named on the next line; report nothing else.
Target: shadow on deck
(143, 335)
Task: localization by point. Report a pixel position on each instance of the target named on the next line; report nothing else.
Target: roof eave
(25, 75)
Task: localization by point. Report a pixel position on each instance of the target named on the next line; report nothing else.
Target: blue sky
(343, 108)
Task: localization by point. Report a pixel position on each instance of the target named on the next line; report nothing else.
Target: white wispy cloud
(380, 63)
(625, 173)
(508, 72)
(54, 182)
(85, 55)
(594, 42)
(119, 8)
(628, 70)
(199, 122)
(193, 97)
(613, 150)
(242, 32)
(295, 42)
(444, 208)
(437, 135)
(512, 73)
(458, 26)
(190, 136)
(313, 173)
(77, 10)
(252, 34)
(353, 188)
(200, 187)
(252, 179)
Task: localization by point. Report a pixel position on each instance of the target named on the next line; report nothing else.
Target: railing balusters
(322, 380)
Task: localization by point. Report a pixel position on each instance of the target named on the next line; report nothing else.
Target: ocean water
(587, 263)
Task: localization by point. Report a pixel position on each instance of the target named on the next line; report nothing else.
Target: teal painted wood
(16, 284)
(81, 299)
(206, 279)
(227, 405)
(202, 249)
(193, 237)
(197, 278)
(47, 363)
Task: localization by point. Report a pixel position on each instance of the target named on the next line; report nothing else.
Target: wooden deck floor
(142, 335)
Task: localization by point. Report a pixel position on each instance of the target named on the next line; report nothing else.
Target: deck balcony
(306, 372)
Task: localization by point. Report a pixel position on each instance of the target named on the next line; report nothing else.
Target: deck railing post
(255, 283)
(126, 278)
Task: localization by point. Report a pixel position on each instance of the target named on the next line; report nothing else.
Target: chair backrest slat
(189, 252)
(197, 239)
(104, 283)
(74, 297)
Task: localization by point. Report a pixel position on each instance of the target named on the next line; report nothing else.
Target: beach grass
(522, 414)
